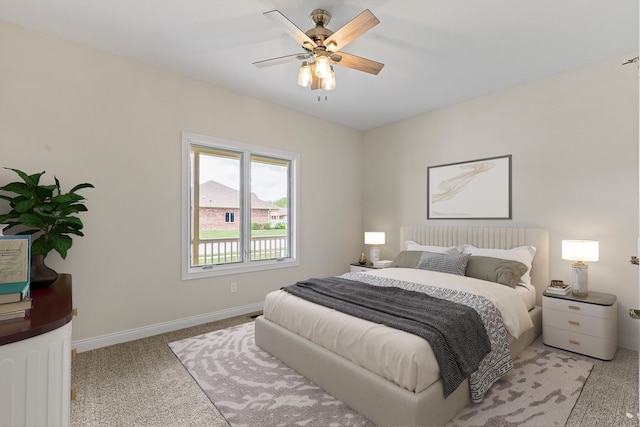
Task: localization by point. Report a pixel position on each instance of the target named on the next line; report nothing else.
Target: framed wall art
(476, 189)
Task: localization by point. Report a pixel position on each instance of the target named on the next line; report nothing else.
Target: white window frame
(293, 223)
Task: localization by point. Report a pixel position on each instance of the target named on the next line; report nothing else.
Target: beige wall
(574, 141)
(85, 115)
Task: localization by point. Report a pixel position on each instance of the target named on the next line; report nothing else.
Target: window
(239, 204)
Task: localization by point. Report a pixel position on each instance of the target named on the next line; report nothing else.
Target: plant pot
(41, 275)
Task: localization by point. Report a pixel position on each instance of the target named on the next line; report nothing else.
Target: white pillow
(413, 246)
(524, 254)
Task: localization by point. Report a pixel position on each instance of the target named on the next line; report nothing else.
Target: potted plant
(48, 215)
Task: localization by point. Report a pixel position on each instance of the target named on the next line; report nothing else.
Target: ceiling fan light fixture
(329, 82)
(304, 75)
(323, 64)
(321, 48)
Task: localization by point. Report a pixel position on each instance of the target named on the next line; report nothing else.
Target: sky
(268, 182)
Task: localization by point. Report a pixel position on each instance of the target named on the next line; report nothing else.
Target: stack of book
(558, 288)
(14, 300)
(14, 276)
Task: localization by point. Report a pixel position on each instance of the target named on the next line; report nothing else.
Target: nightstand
(358, 268)
(583, 324)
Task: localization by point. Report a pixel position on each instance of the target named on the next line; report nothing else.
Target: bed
(387, 381)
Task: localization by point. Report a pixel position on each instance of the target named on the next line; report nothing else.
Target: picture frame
(15, 259)
(474, 189)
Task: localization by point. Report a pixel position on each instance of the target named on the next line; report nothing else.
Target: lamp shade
(374, 238)
(323, 64)
(580, 250)
(304, 75)
(329, 82)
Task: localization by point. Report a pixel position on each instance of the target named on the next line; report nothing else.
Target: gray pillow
(445, 263)
(407, 259)
(503, 271)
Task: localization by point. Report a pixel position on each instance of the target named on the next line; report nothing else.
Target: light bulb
(329, 82)
(304, 75)
(323, 66)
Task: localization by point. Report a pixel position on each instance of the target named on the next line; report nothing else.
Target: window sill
(228, 269)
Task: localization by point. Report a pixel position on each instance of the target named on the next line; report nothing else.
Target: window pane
(217, 199)
(239, 207)
(270, 237)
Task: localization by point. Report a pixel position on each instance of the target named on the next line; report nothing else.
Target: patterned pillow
(444, 263)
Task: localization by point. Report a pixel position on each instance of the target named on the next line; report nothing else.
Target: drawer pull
(574, 307)
(574, 342)
(574, 323)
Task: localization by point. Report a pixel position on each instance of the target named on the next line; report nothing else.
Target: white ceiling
(436, 52)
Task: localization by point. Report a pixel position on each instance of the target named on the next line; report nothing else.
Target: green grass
(233, 234)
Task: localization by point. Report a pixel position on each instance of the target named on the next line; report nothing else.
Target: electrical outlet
(234, 287)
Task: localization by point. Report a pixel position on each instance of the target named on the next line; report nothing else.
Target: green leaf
(41, 246)
(61, 244)
(24, 205)
(71, 209)
(81, 186)
(32, 220)
(32, 180)
(22, 175)
(66, 198)
(18, 188)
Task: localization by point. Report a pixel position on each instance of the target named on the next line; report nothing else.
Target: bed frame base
(379, 400)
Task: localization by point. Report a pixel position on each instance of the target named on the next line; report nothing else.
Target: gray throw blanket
(455, 332)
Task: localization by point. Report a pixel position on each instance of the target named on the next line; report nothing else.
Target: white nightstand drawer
(594, 310)
(359, 269)
(602, 348)
(587, 325)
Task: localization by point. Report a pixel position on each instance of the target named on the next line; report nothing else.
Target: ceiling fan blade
(291, 29)
(353, 29)
(282, 60)
(356, 62)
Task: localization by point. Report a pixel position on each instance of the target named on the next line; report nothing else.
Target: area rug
(541, 390)
(250, 387)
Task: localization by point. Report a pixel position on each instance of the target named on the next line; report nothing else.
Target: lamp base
(580, 284)
(374, 254)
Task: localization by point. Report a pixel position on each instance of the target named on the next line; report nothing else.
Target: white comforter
(398, 356)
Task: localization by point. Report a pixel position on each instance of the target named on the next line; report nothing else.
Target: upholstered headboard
(489, 237)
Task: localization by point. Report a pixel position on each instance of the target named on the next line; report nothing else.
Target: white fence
(221, 251)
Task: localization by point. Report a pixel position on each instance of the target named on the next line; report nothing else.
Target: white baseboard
(160, 328)
(630, 343)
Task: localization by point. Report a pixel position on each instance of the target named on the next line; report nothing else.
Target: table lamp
(580, 251)
(374, 238)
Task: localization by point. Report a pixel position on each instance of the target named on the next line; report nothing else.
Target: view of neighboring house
(219, 208)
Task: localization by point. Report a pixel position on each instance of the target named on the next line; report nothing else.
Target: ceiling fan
(322, 45)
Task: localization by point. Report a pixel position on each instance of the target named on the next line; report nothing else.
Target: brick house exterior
(219, 208)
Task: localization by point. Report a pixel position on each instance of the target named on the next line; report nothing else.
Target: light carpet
(251, 387)
(541, 390)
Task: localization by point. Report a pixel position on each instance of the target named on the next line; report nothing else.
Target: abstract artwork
(477, 189)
